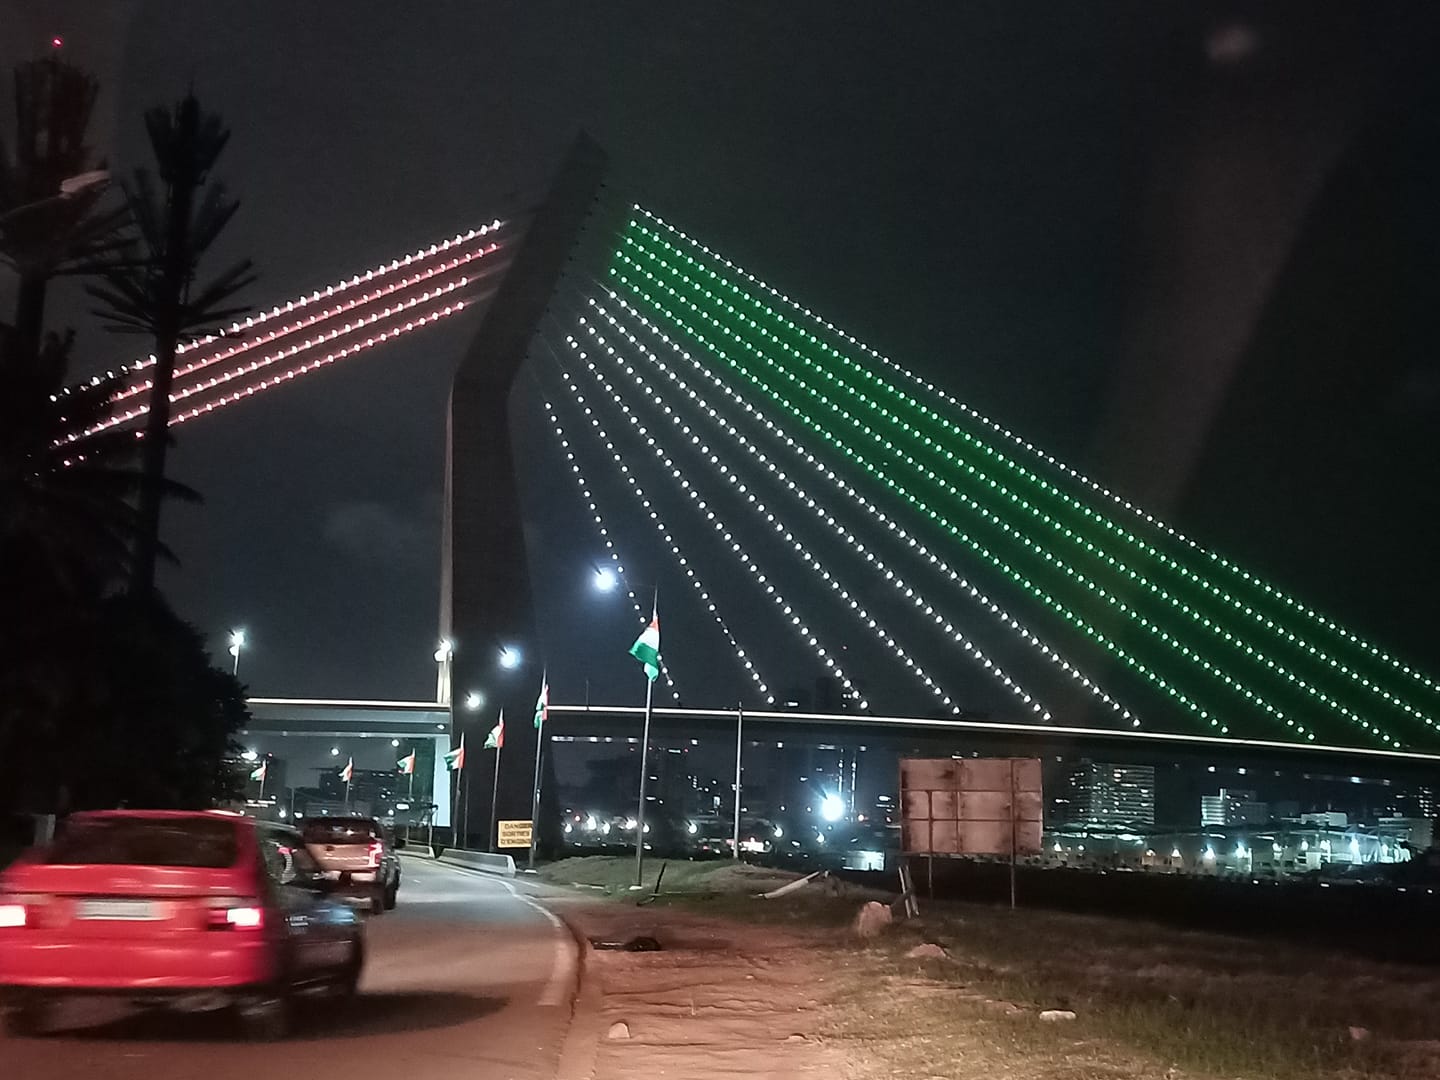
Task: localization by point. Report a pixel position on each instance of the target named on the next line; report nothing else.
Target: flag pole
(644, 768)
(264, 772)
(535, 787)
(491, 839)
(465, 811)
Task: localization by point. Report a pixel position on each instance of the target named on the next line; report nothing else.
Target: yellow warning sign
(514, 834)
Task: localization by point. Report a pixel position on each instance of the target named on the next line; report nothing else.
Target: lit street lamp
(605, 579)
(443, 655)
(237, 642)
(70, 187)
(473, 700)
(510, 657)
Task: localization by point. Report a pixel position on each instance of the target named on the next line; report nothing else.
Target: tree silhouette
(178, 218)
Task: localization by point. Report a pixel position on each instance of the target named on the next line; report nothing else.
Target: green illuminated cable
(995, 560)
(1191, 655)
(896, 420)
(1252, 654)
(1270, 591)
(917, 598)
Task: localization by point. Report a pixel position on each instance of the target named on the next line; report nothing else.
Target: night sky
(1193, 251)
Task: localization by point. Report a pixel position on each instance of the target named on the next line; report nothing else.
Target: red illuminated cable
(328, 313)
(280, 354)
(383, 270)
(318, 362)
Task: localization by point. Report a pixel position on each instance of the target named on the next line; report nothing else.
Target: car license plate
(122, 910)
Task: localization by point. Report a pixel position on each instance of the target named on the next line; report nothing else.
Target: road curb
(582, 1037)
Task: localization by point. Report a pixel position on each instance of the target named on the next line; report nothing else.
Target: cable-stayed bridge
(814, 508)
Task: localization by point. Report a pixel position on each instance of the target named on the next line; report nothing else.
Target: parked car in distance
(357, 854)
(194, 910)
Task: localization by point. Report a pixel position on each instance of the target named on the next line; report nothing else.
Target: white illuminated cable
(797, 624)
(984, 552)
(590, 501)
(1252, 579)
(897, 582)
(938, 563)
(685, 565)
(999, 487)
(1200, 621)
(758, 507)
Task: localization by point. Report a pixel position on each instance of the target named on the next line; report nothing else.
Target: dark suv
(358, 854)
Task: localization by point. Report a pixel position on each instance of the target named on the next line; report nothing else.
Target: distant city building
(1099, 793)
(1232, 807)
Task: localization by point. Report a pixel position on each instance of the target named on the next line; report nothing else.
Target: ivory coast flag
(647, 647)
(496, 739)
(259, 774)
(455, 759)
(406, 764)
(348, 772)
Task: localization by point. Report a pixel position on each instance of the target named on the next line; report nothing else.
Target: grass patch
(1199, 1002)
(616, 874)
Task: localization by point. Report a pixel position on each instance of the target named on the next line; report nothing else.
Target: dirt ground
(746, 987)
(717, 999)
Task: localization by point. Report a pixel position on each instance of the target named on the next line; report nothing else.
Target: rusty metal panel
(945, 806)
(915, 806)
(984, 806)
(915, 835)
(971, 806)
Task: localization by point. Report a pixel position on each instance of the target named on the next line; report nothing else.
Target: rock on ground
(928, 951)
(871, 920)
(1052, 1015)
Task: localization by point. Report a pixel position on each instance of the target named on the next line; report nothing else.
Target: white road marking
(554, 993)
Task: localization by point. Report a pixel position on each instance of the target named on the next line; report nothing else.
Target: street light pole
(237, 643)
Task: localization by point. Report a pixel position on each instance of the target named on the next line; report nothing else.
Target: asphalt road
(464, 979)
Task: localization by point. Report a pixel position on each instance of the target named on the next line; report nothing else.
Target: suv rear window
(202, 842)
(341, 831)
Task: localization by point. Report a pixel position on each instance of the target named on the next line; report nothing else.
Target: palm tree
(68, 524)
(178, 220)
(45, 229)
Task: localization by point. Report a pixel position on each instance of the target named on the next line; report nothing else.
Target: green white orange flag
(259, 774)
(647, 647)
(542, 703)
(348, 772)
(455, 759)
(496, 739)
(406, 764)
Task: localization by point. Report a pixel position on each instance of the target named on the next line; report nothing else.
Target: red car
(197, 910)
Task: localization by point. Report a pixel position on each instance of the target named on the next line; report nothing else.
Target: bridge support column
(485, 603)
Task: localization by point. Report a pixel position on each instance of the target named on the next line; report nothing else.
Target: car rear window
(341, 831)
(201, 842)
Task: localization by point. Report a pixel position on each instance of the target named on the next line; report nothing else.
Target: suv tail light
(236, 914)
(377, 848)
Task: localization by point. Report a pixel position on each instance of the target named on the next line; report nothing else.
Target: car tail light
(237, 915)
(13, 916)
(377, 848)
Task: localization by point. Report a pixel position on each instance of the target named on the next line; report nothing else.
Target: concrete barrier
(504, 865)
